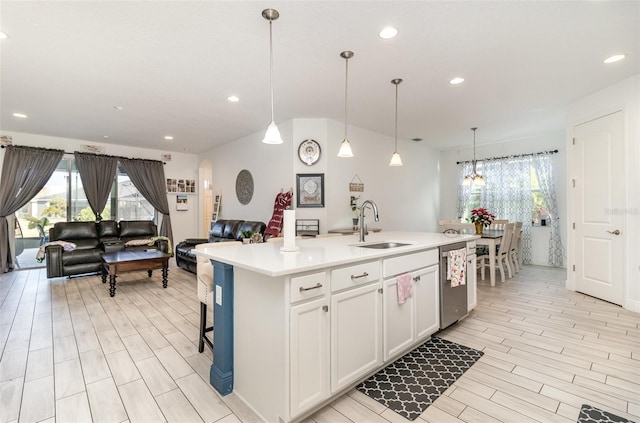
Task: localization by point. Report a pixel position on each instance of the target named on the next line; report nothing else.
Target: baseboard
(632, 305)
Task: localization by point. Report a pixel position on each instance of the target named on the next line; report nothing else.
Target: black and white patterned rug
(591, 414)
(410, 384)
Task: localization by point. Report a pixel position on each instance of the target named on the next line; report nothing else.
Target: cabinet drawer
(407, 263)
(360, 274)
(307, 287)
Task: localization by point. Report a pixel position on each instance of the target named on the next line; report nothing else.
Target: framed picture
(181, 202)
(310, 189)
(187, 186)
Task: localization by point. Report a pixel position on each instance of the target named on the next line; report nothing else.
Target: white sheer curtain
(507, 194)
(543, 164)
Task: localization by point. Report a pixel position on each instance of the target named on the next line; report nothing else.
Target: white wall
(450, 174)
(407, 197)
(623, 96)
(181, 166)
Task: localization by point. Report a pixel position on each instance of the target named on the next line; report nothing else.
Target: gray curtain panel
(25, 171)
(148, 177)
(97, 173)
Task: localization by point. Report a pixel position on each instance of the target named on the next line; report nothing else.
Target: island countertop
(321, 253)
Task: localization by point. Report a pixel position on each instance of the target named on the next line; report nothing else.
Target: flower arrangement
(482, 216)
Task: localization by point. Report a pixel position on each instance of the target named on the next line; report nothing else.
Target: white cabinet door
(426, 291)
(472, 282)
(398, 320)
(309, 353)
(356, 334)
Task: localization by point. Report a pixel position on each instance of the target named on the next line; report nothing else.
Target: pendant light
(272, 136)
(474, 178)
(345, 146)
(395, 158)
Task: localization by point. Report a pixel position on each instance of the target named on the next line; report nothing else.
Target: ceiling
(170, 66)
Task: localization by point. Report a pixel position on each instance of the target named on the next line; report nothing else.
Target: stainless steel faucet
(375, 216)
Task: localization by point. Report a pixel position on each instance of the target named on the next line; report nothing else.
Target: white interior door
(599, 203)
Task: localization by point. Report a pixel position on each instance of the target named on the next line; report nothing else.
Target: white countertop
(322, 253)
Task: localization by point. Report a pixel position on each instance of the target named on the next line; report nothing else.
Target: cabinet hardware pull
(318, 285)
(325, 308)
(364, 275)
(416, 279)
(380, 290)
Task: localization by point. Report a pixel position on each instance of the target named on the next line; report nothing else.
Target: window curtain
(464, 192)
(97, 173)
(25, 171)
(507, 194)
(148, 178)
(543, 165)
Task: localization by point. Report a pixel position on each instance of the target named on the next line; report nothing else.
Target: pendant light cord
(474, 151)
(346, 98)
(396, 130)
(271, 65)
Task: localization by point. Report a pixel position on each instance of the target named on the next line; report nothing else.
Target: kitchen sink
(383, 245)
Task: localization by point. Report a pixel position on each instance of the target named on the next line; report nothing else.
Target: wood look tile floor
(71, 353)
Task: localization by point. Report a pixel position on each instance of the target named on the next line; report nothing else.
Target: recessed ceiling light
(105, 136)
(187, 149)
(20, 115)
(233, 98)
(118, 107)
(3, 36)
(615, 58)
(456, 81)
(168, 137)
(388, 32)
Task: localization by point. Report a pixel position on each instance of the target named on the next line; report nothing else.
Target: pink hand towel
(405, 287)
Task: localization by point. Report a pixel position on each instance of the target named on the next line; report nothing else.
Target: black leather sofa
(92, 239)
(221, 231)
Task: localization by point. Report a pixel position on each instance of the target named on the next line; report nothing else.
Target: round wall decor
(309, 151)
(244, 186)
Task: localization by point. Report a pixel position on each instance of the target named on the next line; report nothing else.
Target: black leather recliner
(221, 231)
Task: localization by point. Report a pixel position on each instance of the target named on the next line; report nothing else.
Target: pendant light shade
(345, 145)
(272, 136)
(474, 178)
(396, 160)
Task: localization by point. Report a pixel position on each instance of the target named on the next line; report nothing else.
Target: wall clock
(309, 152)
(244, 186)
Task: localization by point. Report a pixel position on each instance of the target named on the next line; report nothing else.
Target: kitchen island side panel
(261, 330)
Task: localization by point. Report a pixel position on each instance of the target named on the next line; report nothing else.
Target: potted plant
(481, 217)
(246, 237)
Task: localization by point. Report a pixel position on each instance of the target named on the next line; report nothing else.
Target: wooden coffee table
(126, 261)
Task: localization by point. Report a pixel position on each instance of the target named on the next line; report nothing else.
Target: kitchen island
(294, 330)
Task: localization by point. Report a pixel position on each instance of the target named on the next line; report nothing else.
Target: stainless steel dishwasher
(453, 300)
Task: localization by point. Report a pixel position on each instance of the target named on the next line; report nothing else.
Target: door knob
(616, 232)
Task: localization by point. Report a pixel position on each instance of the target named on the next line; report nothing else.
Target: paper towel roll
(289, 230)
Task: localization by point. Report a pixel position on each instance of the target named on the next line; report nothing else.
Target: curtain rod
(82, 152)
(511, 157)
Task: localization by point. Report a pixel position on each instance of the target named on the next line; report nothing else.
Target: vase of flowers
(481, 217)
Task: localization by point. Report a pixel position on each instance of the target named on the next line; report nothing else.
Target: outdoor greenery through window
(539, 210)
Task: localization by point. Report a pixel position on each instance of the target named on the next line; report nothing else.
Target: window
(63, 199)
(539, 210)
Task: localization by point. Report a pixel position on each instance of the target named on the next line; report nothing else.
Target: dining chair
(502, 255)
(461, 228)
(498, 224)
(204, 276)
(514, 250)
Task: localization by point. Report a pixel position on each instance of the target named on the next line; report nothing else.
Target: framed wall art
(186, 186)
(310, 190)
